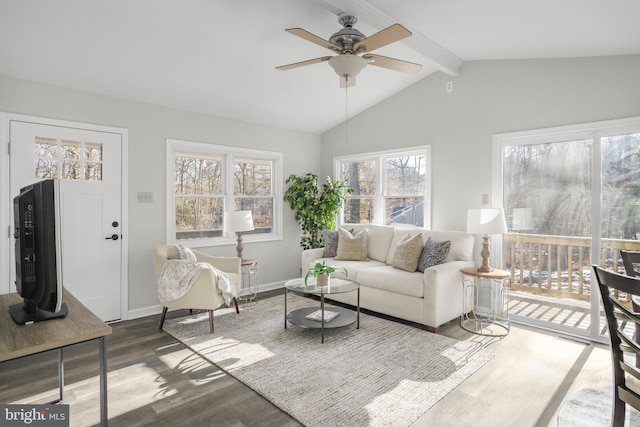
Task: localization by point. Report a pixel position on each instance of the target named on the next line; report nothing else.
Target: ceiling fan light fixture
(347, 65)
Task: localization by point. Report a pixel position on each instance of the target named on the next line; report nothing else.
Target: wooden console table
(80, 325)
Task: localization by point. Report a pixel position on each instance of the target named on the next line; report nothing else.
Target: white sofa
(430, 298)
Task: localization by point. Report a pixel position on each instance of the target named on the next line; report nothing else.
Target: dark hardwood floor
(152, 380)
(155, 380)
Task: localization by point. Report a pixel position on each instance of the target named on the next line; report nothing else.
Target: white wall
(488, 97)
(148, 127)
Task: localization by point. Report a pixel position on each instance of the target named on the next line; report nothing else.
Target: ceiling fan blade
(382, 38)
(303, 63)
(314, 39)
(392, 63)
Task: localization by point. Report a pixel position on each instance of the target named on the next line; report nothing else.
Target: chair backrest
(631, 262)
(622, 322)
(161, 254)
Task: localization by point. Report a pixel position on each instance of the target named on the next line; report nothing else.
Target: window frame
(228, 154)
(596, 132)
(380, 185)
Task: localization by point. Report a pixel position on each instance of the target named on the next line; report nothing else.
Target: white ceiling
(217, 57)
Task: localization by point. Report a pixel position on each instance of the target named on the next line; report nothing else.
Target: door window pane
(550, 196)
(93, 152)
(70, 160)
(552, 182)
(46, 147)
(620, 205)
(46, 168)
(70, 150)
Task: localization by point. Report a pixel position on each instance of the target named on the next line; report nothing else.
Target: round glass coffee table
(312, 317)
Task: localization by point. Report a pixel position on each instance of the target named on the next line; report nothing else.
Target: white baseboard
(157, 309)
(144, 312)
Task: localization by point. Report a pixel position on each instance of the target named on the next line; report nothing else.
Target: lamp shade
(347, 65)
(237, 221)
(486, 221)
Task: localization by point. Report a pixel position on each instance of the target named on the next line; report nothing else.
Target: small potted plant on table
(321, 272)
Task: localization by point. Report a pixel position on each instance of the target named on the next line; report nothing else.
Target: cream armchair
(203, 294)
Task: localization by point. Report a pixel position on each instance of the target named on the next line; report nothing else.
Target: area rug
(592, 407)
(383, 374)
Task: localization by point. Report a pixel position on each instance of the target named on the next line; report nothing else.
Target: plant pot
(323, 280)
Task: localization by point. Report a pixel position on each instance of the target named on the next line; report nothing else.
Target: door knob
(112, 237)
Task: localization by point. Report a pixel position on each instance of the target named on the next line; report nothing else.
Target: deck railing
(559, 266)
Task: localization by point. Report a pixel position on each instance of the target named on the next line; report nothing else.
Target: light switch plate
(145, 197)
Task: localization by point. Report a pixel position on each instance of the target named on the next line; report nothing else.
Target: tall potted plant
(315, 209)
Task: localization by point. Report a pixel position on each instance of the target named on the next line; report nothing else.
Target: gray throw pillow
(433, 253)
(331, 243)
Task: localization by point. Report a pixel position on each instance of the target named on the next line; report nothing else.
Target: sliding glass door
(571, 197)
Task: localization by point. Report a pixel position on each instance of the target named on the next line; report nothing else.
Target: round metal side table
(485, 301)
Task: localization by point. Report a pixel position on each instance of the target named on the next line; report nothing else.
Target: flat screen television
(38, 251)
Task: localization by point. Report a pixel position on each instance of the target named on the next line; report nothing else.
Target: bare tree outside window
(253, 189)
(387, 188)
(199, 196)
(404, 189)
(69, 160)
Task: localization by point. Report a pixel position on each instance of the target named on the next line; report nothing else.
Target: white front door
(88, 163)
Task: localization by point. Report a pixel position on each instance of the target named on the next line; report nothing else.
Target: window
(71, 160)
(388, 187)
(571, 198)
(205, 180)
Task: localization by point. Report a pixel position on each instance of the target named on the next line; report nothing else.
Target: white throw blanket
(178, 275)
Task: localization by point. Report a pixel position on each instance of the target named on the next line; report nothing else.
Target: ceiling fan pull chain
(346, 111)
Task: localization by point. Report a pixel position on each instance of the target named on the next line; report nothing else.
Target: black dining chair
(625, 351)
(631, 262)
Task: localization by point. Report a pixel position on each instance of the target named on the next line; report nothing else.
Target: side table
(249, 280)
(485, 301)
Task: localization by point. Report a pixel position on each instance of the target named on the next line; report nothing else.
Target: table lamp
(238, 222)
(486, 221)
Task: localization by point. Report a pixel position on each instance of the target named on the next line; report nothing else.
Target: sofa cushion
(393, 280)
(353, 267)
(407, 252)
(433, 253)
(350, 247)
(378, 239)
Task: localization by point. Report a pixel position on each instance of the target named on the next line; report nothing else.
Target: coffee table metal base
(298, 317)
(345, 317)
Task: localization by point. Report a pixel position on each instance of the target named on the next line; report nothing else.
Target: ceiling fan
(353, 49)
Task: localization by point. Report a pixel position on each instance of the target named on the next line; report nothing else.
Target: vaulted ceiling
(218, 57)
